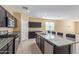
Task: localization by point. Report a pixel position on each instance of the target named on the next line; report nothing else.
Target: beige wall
(77, 27)
(65, 26)
(17, 15)
(59, 26)
(69, 27)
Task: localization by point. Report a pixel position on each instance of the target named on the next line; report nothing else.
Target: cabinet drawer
(3, 50)
(10, 43)
(10, 49)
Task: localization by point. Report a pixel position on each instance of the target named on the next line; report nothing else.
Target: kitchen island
(58, 44)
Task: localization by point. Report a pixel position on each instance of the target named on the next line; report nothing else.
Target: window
(49, 26)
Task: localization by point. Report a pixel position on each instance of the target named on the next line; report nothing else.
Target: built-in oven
(10, 22)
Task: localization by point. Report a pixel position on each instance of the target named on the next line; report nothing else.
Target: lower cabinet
(48, 49)
(4, 50)
(62, 50)
(32, 34)
(7, 49)
(42, 45)
(17, 41)
(38, 40)
(11, 47)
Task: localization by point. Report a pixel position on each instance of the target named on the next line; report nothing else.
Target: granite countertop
(4, 41)
(57, 40)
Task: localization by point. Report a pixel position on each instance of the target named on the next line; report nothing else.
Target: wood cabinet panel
(42, 45)
(48, 49)
(6, 18)
(35, 24)
(2, 17)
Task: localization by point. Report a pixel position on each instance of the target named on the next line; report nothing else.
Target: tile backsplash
(4, 28)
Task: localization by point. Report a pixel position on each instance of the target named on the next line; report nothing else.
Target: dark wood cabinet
(38, 40)
(2, 17)
(35, 24)
(6, 19)
(4, 50)
(7, 49)
(32, 34)
(11, 47)
(49, 48)
(10, 21)
(62, 50)
(42, 45)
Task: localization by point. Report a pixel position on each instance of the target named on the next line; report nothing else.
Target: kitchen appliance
(10, 22)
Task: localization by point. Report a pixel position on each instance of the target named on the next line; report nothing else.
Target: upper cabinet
(35, 24)
(6, 19)
(2, 17)
(11, 21)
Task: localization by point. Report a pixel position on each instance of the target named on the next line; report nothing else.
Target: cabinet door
(17, 41)
(2, 17)
(4, 50)
(32, 35)
(7, 49)
(62, 50)
(38, 41)
(48, 49)
(42, 44)
(10, 47)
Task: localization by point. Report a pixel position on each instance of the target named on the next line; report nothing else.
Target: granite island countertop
(57, 40)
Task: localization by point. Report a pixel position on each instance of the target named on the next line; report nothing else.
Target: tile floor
(28, 47)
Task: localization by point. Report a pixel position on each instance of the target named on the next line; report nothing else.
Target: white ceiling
(50, 11)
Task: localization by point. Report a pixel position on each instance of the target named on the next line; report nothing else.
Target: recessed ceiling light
(25, 8)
